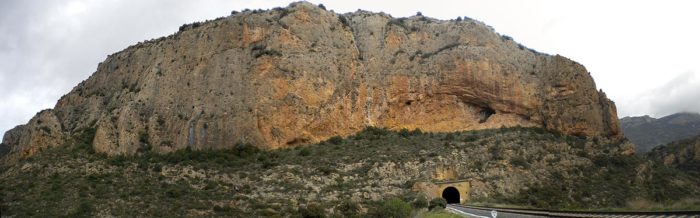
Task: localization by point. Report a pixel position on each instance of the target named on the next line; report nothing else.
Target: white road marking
(465, 213)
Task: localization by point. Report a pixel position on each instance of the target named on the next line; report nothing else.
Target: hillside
(300, 111)
(523, 166)
(647, 132)
(301, 74)
(683, 155)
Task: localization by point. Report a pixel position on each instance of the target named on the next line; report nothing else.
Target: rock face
(301, 74)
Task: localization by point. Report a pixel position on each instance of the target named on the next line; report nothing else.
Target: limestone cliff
(301, 74)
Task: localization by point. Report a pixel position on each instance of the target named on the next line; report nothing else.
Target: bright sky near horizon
(643, 54)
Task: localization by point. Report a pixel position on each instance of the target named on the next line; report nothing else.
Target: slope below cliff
(301, 74)
(528, 167)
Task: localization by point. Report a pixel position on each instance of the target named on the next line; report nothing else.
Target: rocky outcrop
(682, 154)
(42, 131)
(301, 74)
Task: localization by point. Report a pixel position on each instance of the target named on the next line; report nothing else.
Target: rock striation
(301, 74)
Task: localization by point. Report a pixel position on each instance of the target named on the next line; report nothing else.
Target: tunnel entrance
(451, 194)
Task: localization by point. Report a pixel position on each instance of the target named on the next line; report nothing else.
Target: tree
(437, 202)
(395, 208)
(421, 201)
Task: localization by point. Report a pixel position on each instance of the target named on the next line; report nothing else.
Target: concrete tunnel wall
(434, 190)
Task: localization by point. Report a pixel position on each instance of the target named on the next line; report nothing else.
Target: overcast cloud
(643, 54)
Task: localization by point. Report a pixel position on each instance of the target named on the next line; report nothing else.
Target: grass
(440, 213)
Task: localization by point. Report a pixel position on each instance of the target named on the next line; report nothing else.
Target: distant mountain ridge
(647, 132)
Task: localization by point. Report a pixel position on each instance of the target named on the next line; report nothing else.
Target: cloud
(680, 94)
(47, 47)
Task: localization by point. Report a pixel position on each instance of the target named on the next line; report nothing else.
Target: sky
(643, 54)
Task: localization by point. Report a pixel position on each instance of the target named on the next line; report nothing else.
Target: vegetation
(312, 211)
(400, 22)
(349, 208)
(439, 214)
(393, 207)
(344, 21)
(244, 181)
(421, 201)
(437, 203)
(268, 52)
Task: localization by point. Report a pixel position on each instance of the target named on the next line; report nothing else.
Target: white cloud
(680, 94)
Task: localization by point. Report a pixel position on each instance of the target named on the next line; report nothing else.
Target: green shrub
(84, 209)
(394, 207)
(145, 145)
(326, 170)
(226, 210)
(437, 203)
(404, 133)
(470, 138)
(305, 152)
(421, 201)
(344, 20)
(372, 133)
(398, 22)
(519, 161)
(336, 140)
(449, 137)
(349, 208)
(82, 139)
(46, 129)
(312, 211)
(244, 149)
(268, 52)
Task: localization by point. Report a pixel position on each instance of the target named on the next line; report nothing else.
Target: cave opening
(485, 113)
(451, 194)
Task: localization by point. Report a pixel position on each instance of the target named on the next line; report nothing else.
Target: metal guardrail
(557, 213)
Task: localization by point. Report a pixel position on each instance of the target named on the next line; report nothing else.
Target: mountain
(647, 132)
(302, 112)
(301, 74)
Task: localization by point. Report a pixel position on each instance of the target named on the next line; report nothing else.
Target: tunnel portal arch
(451, 194)
(456, 191)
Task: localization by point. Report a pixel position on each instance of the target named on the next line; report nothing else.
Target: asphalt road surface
(481, 213)
(484, 212)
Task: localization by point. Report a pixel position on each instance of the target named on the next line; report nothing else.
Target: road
(483, 213)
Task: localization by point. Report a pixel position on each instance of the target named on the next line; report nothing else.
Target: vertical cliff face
(301, 74)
